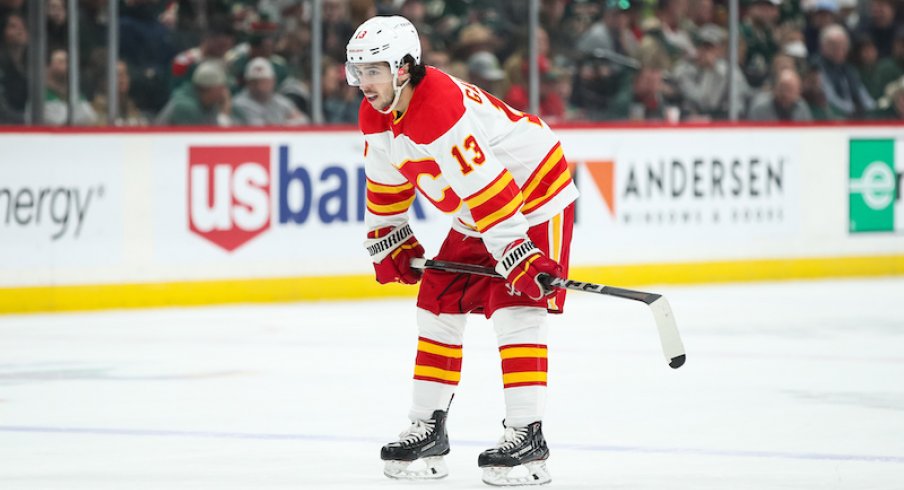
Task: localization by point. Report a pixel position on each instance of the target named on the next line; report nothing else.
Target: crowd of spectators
(248, 62)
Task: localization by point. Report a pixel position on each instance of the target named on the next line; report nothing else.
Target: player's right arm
(390, 241)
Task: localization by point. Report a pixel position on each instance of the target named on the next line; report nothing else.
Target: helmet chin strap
(398, 93)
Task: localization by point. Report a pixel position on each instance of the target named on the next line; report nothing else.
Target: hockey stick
(672, 347)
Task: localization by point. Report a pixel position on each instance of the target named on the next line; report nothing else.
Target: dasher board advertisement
(60, 206)
(676, 194)
(875, 187)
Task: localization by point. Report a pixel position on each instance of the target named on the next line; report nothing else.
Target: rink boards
(136, 218)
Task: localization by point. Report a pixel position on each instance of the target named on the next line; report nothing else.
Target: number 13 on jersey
(473, 151)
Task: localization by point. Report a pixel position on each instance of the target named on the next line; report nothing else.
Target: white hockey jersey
(497, 170)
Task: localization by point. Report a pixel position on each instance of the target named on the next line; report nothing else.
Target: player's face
(375, 82)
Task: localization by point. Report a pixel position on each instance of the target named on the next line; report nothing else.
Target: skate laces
(511, 438)
(416, 432)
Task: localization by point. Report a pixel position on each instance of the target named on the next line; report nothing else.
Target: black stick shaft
(555, 282)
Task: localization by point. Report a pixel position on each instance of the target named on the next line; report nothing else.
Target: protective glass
(370, 73)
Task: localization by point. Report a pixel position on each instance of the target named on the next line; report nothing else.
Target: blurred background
(280, 62)
(713, 142)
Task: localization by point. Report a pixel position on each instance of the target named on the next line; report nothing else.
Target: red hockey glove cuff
(391, 250)
(523, 265)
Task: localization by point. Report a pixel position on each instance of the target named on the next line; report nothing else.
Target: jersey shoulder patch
(437, 104)
(370, 121)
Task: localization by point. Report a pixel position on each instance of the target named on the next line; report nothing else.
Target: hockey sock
(437, 368)
(521, 334)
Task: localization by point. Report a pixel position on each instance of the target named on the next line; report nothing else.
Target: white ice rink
(787, 385)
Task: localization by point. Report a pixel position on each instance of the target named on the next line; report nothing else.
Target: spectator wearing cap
(217, 40)
(56, 100)
(485, 72)
(784, 103)
(258, 104)
(203, 102)
(891, 105)
(844, 91)
(703, 81)
(759, 33)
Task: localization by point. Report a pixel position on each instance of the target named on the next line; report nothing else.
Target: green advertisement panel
(872, 190)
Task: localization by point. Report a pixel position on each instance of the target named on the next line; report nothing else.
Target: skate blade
(533, 473)
(431, 468)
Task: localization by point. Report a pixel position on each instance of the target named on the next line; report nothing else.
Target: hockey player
(501, 175)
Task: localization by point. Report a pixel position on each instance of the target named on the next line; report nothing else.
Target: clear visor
(367, 73)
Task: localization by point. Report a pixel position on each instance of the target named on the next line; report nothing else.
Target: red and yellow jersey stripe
(496, 202)
(386, 199)
(550, 177)
(437, 362)
(523, 365)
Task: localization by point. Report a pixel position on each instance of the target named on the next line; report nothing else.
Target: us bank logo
(874, 191)
(234, 196)
(229, 193)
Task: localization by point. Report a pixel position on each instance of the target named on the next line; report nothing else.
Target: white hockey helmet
(382, 39)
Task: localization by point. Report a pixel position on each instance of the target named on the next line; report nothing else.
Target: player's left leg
(521, 331)
(520, 457)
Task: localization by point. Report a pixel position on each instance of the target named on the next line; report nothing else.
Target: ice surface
(787, 385)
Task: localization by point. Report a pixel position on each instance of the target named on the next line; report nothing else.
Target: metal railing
(38, 54)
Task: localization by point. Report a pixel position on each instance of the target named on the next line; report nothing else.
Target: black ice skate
(425, 441)
(518, 459)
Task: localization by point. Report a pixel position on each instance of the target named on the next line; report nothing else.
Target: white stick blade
(672, 347)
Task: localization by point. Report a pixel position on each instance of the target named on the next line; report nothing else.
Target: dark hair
(417, 71)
